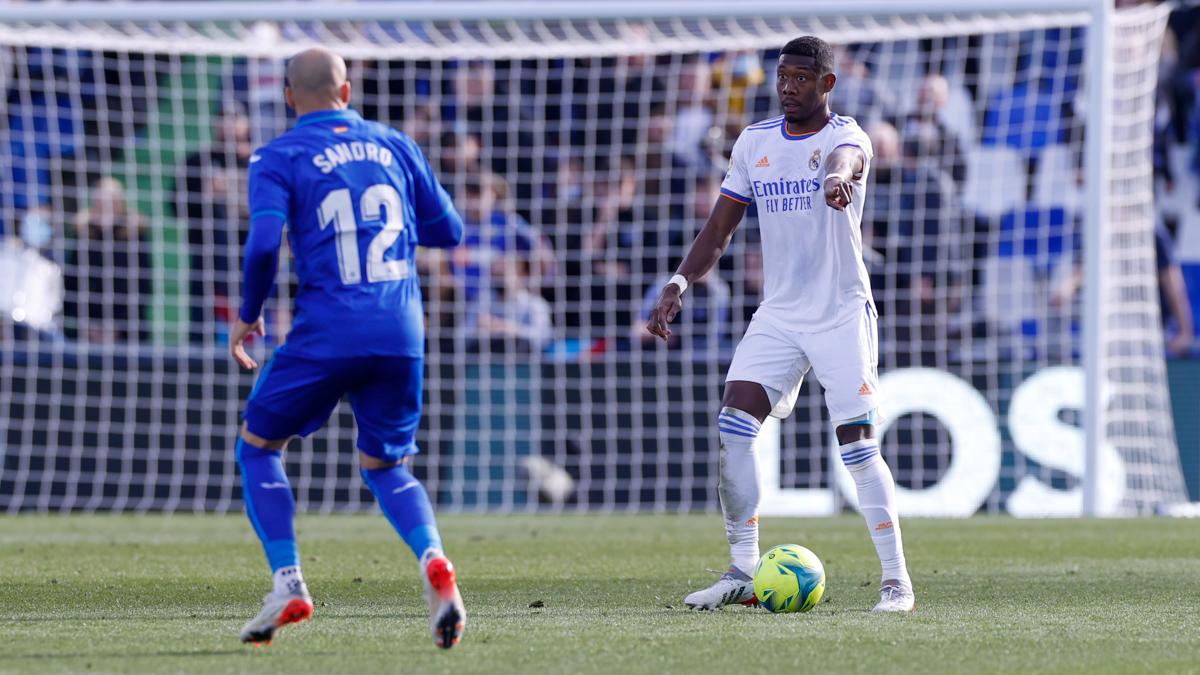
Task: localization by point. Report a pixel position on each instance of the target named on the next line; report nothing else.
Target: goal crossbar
(369, 10)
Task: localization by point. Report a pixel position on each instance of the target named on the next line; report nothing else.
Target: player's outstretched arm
(705, 251)
(845, 164)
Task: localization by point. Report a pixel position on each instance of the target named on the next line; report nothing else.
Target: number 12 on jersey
(378, 200)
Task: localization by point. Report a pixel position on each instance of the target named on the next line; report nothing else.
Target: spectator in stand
(1184, 80)
(1173, 296)
(485, 103)
(858, 94)
(609, 243)
(639, 84)
(694, 115)
(610, 246)
(565, 211)
(1176, 312)
(36, 229)
(911, 220)
(459, 155)
(664, 242)
(562, 203)
(514, 317)
(458, 164)
(210, 196)
(421, 124)
(752, 281)
(493, 230)
(925, 133)
(644, 248)
(268, 115)
(108, 285)
(655, 157)
(31, 283)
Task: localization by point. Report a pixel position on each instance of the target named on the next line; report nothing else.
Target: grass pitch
(168, 594)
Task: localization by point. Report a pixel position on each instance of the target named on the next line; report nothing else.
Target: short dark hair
(815, 48)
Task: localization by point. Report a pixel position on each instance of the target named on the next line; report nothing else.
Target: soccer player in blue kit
(356, 198)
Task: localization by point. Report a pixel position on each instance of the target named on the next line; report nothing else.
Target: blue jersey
(358, 198)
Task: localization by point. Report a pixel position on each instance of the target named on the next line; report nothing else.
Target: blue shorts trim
(294, 396)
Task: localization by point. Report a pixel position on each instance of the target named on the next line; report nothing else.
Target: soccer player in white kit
(806, 171)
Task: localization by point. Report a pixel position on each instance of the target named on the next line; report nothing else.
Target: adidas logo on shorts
(864, 390)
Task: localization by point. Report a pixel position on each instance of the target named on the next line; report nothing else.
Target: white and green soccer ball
(789, 578)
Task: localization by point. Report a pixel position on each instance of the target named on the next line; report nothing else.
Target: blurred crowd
(581, 182)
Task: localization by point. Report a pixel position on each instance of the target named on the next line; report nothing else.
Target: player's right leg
(766, 368)
(271, 507)
(292, 397)
(387, 407)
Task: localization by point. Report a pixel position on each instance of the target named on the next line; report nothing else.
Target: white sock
(877, 501)
(286, 579)
(738, 486)
(428, 555)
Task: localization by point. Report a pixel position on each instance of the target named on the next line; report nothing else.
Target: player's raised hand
(838, 192)
(237, 336)
(669, 304)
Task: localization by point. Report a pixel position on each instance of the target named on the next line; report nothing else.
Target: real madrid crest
(814, 162)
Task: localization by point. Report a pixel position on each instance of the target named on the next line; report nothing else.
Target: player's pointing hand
(838, 192)
(669, 304)
(241, 330)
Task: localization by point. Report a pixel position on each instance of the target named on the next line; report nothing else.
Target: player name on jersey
(355, 151)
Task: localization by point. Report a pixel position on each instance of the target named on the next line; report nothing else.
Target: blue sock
(406, 504)
(269, 503)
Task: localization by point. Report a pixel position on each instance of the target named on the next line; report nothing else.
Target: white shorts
(844, 358)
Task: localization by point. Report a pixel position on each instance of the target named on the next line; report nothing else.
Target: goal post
(1097, 156)
(1010, 238)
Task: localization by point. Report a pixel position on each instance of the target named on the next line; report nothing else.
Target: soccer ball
(789, 578)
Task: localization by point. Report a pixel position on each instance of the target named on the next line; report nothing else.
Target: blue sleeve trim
(735, 196)
(858, 147)
(269, 212)
(853, 145)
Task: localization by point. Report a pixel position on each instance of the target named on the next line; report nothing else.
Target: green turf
(168, 594)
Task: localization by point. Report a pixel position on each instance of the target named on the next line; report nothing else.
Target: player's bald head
(316, 72)
(316, 77)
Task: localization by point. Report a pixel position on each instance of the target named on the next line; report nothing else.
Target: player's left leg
(844, 361)
(876, 490)
(387, 407)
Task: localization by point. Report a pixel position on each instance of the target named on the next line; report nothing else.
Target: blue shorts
(294, 396)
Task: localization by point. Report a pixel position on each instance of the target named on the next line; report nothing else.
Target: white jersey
(813, 272)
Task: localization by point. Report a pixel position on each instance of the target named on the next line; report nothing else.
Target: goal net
(584, 152)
